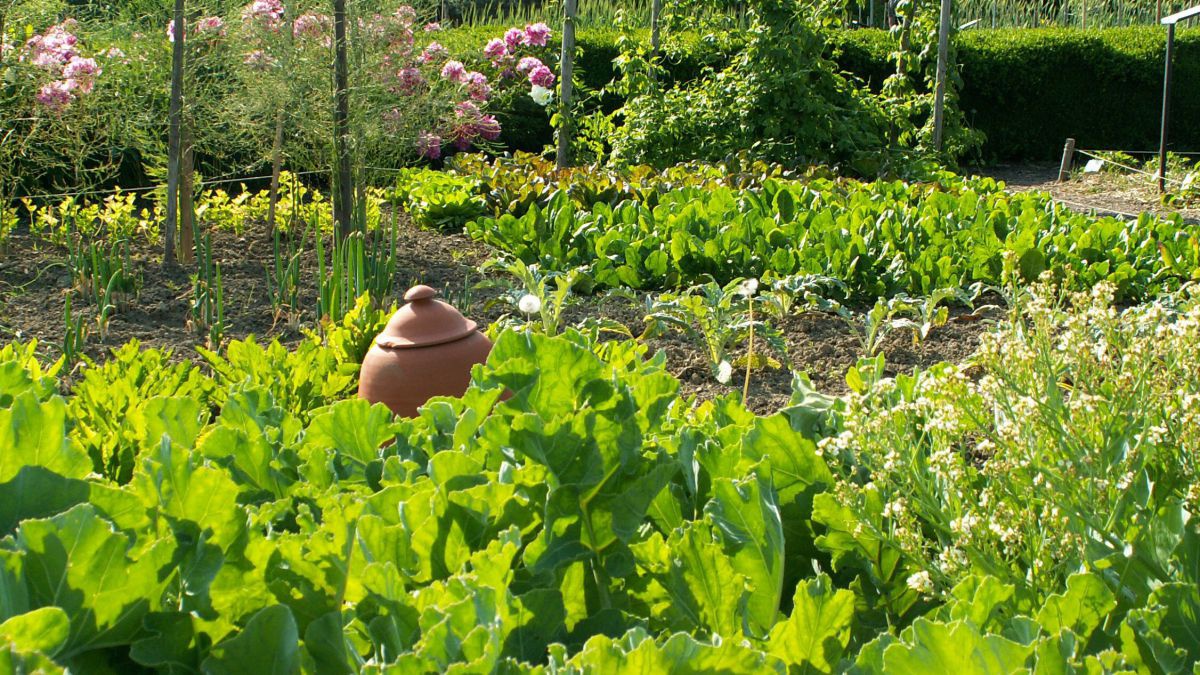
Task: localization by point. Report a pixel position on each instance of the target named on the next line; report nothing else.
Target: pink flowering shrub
(60, 70)
(441, 99)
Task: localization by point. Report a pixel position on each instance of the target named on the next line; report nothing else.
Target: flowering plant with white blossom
(1069, 443)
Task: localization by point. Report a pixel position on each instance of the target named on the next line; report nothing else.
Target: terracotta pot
(426, 350)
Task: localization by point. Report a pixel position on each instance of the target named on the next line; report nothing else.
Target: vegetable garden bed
(34, 284)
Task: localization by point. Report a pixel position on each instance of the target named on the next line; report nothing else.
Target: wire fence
(1107, 159)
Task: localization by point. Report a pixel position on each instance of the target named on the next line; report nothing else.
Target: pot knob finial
(420, 292)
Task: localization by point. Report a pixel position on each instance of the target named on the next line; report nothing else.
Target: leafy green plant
(891, 314)
(437, 199)
(544, 295)
(719, 318)
(571, 512)
(880, 239)
(362, 263)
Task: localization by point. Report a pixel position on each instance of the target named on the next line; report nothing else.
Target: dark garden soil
(35, 281)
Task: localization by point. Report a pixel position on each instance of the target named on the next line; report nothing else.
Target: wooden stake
(1068, 159)
(173, 138)
(566, 68)
(187, 205)
(939, 101)
(655, 16)
(277, 142)
(343, 204)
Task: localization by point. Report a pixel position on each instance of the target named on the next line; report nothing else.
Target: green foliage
(571, 512)
(437, 199)
(878, 239)
(779, 97)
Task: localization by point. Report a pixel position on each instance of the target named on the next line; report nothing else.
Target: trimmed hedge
(1028, 90)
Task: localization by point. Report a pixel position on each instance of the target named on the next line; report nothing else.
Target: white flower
(541, 95)
(747, 288)
(1128, 552)
(529, 304)
(724, 372)
(920, 582)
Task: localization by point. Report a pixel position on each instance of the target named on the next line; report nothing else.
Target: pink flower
(268, 12)
(310, 26)
(213, 24)
(113, 53)
(258, 59)
(488, 127)
(81, 74)
(171, 31)
(477, 86)
(56, 96)
(454, 71)
(541, 77)
(410, 79)
(470, 125)
(429, 145)
(528, 63)
(53, 48)
(536, 35)
(513, 38)
(433, 27)
(496, 49)
(433, 52)
(407, 15)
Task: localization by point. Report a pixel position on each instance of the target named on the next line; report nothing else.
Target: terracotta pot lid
(424, 321)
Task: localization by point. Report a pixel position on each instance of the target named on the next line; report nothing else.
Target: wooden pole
(343, 205)
(187, 205)
(1068, 159)
(655, 15)
(939, 101)
(277, 142)
(173, 138)
(566, 68)
(1166, 111)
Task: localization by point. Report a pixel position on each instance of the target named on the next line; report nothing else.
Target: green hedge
(1026, 89)
(1029, 90)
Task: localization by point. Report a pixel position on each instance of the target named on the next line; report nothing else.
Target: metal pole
(939, 101)
(174, 144)
(1166, 111)
(343, 196)
(566, 66)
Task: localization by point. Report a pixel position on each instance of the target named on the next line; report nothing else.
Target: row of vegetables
(251, 516)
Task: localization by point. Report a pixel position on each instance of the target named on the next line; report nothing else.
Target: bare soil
(35, 282)
(1106, 192)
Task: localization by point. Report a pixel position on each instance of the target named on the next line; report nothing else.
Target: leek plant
(207, 312)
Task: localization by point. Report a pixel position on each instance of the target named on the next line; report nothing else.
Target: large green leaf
(77, 562)
(43, 630)
(33, 433)
(815, 636)
(637, 652)
(174, 483)
(705, 589)
(747, 517)
(956, 647)
(268, 645)
(1083, 607)
(353, 430)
